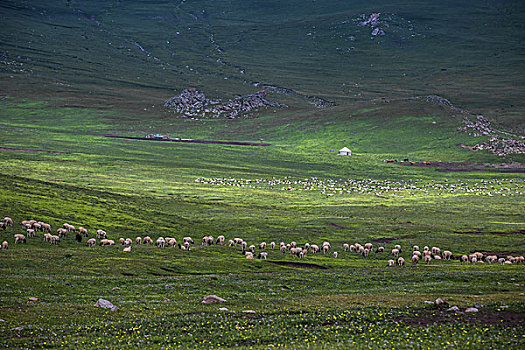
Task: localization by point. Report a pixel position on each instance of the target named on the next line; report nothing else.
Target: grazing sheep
(366, 252)
(186, 245)
(473, 260)
(243, 245)
(188, 239)
(263, 255)
(437, 257)
(314, 248)
(501, 260)
(91, 242)
(20, 238)
(37, 226)
(231, 243)
(220, 240)
(83, 231)
(283, 249)
(427, 252)
(436, 251)
(415, 248)
(447, 254)
(327, 244)
(251, 248)
(102, 234)
(62, 232)
(391, 262)
(425, 248)
(121, 241)
(352, 248)
(415, 259)
(30, 232)
(161, 243)
(346, 247)
(205, 240)
(272, 245)
(147, 240)
(301, 254)
(335, 255)
(262, 245)
(369, 246)
(307, 246)
(398, 247)
(127, 249)
(5, 245)
(47, 237)
(237, 241)
(3, 225)
(293, 244)
(428, 258)
(8, 221)
(478, 255)
(464, 258)
(46, 228)
(294, 251)
(128, 241)
(395, 252)
(55, 239)
(380, 249)
(105, 241)
(138, 240)
(401, 261)
(170, 242)
(249, 255)
(418, 253)
(325, 249)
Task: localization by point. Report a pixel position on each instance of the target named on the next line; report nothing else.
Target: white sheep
(398, 247)
(91, 242)
(101, 234)
(128, 241)
(170, 241)
(436, 251)
(8, 221)
(188, 239)
(251, 248)
(30, 232)
(160, 242)
(127, 249)
(366, 251)
(464, 258)
(418, 253)
(302, 254)
(138, 240)
(346, 247)
(62, 232)
(400, 261)
(147, 240)
(262, 245)
(121, 241)
(391, 262)
(369, 246)
(263, 255)
(307, 246)
(249, 255)
(395, 252)
(314, 248)
(293, 244)
(283, 249)
(447, 254)
(415, 248)
(20, 238)
(352, 248)
(231, 243)
(220, 240)
(335, 255)
(5, 245)
(380, 249)
(325, 249)
(55, 239)
(83, 231)
(272, 245)
(428, 258)
(415, 259)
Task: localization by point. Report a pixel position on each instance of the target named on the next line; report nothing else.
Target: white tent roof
(344, 149)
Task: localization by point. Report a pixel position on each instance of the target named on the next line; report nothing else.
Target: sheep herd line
(249, 251)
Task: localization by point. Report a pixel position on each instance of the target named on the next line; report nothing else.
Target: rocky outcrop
(194, 104)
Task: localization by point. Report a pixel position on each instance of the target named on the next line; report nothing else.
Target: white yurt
(345, 152)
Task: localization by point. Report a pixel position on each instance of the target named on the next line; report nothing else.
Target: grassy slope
(138, 188)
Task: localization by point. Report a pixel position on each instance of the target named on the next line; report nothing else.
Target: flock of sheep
(427, 255)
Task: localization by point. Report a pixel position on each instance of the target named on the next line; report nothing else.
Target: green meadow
(74, 73)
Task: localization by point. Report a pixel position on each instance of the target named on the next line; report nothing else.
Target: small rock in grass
(114, 308)
(116, 288)
(17, 328)
(478, 305)
(428, 302)
(249, 311)
(210, 299)
(104, 304)
(223, 309)
(439, 301)
(2, 320)
(522, 294)
(33, 299)
(453, 308)
(167, 286)
(504, 306)
(471, 309)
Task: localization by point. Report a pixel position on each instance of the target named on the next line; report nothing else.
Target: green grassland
(72, 71)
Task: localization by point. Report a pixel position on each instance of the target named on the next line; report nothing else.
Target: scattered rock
(17, 328)
(2, 320)
(471, 309)
(223, 309)
(116, 288)
(249, 311)
(211, 299)
(428, 302)
(167, 286)
(33, 299)
(439, 301)
(104, 304)
(453, 308)
(194, 104)
(114, 308)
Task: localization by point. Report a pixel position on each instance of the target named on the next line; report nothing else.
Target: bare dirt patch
(469, 166)
(234, 143)
(428, 317)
